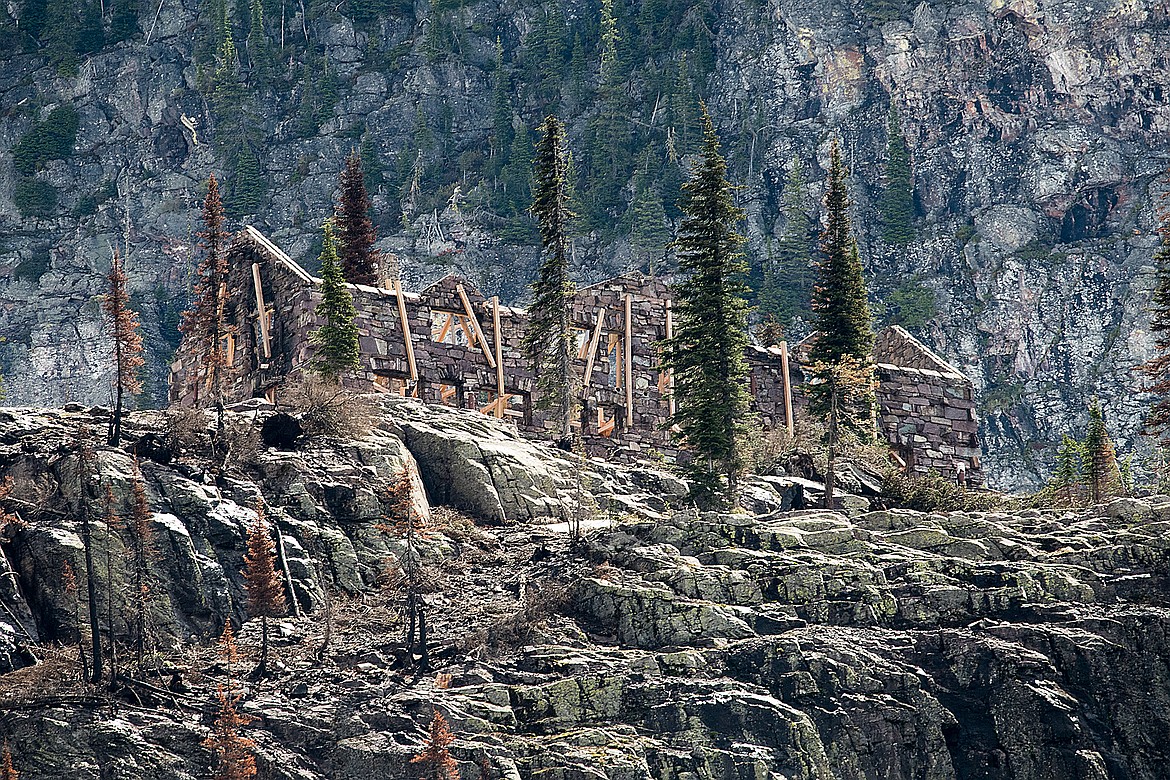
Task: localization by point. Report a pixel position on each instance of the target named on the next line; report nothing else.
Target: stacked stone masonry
(462, 349)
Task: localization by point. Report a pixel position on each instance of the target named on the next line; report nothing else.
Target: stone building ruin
(448, 344)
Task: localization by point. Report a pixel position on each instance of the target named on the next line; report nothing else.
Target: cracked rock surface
(668, 644)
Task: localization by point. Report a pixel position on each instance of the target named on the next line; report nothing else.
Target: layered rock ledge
(668, 644)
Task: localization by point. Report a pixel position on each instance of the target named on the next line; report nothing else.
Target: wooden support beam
(468, 333)
(498, 343)
(669, 373)
(788, 421)
(445, 329)
(487, 353)
(406, 333)
(261, 311)
(629, 361)
(594, 340)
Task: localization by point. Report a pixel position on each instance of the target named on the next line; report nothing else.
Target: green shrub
(51, 139)
(911, 305)
(933, 493)
(33, 268)
(87, 205)
(34, 198)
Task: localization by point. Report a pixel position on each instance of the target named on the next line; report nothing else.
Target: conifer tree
(234, 756)
(400, 516)
(548, 338)
(86, 469)
(501, 137)
(265, 590)
(649, 234)
(337, 339)
(706, 352)
(259, 55)
(839, 304)
(609, 159)
(1066, 478)
(840, 353)
(788, 269)
(127, 343)
(359, 262)
(7, 770)
(142, 552)
(204, 322)
(436, 757)
(1101, 473)
(896, 203)
(114, 603)
(124, 20)
(1157, 369)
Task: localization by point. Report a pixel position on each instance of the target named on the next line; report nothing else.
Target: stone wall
(926, 408)
(467, 352)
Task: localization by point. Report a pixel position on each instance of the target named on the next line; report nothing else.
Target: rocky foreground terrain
(667, 644)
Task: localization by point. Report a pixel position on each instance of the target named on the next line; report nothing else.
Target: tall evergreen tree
(336, 339)
(123, 20)
(359, 262)
(1157, 369)
(843, 323)
(706, 353)
(204, 322)
(501, 137)
(788, 271)
(127, 343)
(841, 351)
(610, 132)
(259, 53)
(265, 590)
(1101, 473)
(548, 338)
(896, 202)
(649, 234)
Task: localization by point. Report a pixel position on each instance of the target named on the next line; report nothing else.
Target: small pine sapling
(142, 553)
(436, 759)
(234, 756)
(265, 590)
(7, 770)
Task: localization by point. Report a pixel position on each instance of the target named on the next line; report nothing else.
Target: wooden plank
(446, 329)
(604, 426)
(497, 341)
(468, 333)
(261, 310)
(594, 341)
(487, 353)
(406, 333)
(669, 373)
(787, 389)
(629, 361)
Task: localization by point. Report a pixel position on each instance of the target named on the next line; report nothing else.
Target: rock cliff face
(1037, 131)
(667, 645)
